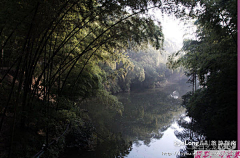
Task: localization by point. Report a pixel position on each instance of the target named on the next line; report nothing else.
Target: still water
(164, 106)
(164, 147)
(145, 128)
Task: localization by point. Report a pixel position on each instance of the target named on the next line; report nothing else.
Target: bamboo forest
(101, 78)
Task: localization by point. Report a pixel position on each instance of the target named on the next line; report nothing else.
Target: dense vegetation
(146, 69)
(57, 55)
(211, 60)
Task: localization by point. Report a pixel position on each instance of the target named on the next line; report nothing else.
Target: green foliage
(53, 51)
(147, 70)
(111, 102)
(59, 54)
(213, 58)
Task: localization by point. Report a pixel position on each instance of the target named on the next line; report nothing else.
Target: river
(145, 129)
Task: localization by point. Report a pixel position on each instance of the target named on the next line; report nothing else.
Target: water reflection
(159, 148)
(147, 115)
(144, 129)
(190, 135)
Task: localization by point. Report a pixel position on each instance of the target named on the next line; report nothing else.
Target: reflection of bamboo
(193, 91)
(195, 82)
(191, 129)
